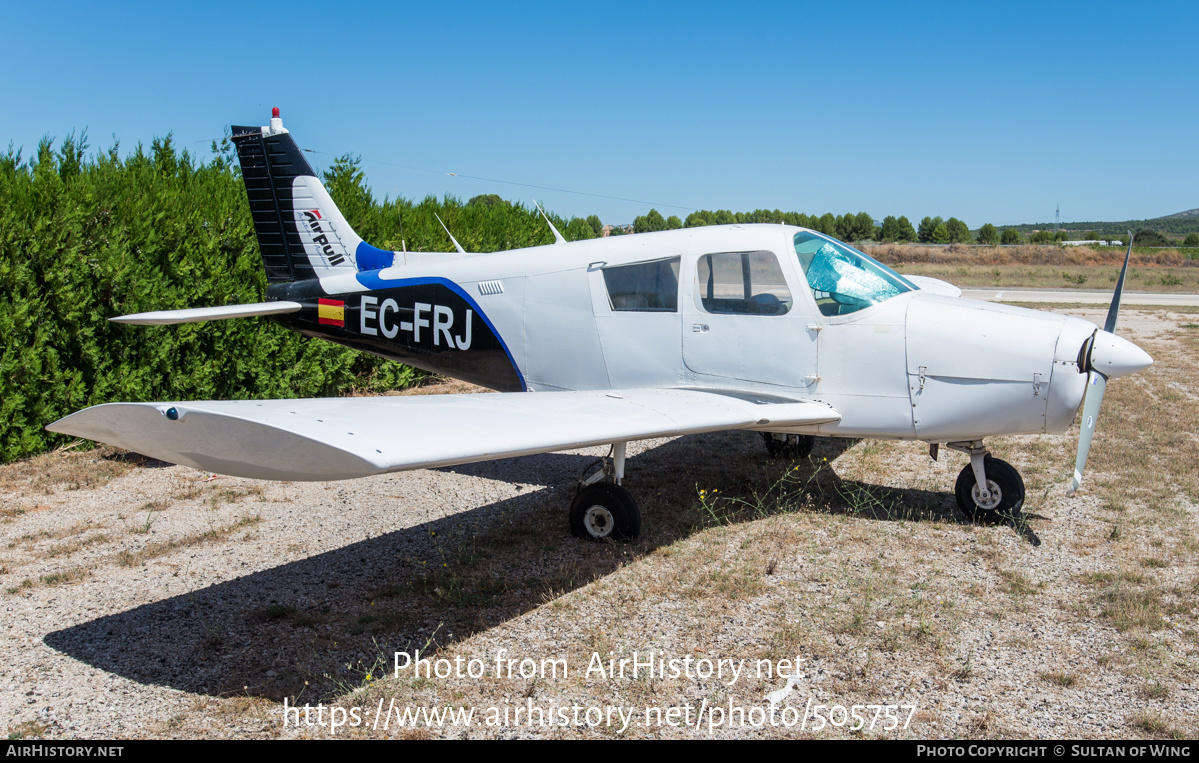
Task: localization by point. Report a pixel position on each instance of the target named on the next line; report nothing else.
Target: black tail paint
(269, 163)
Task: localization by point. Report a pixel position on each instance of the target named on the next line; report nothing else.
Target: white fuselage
(917, 365)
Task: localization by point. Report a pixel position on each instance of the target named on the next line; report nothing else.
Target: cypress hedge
(83, 239)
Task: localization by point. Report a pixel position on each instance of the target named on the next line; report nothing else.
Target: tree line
(1169, 228)
(847, 227)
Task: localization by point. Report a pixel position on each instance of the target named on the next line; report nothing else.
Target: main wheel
(795, 447)
(1006, 488)
(605, 511)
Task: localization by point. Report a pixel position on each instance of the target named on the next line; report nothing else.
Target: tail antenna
(558, 237)
(451, 235)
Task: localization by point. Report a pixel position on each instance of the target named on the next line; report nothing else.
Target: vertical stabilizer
(301, 232)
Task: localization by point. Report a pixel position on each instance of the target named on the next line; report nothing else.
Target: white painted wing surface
(935, 285)
(344, 438)
(197, 314)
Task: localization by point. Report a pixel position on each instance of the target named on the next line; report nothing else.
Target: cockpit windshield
(842, 279)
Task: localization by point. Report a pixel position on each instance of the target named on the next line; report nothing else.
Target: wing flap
(344, 438)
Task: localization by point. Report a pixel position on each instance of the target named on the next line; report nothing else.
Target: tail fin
(301, 232)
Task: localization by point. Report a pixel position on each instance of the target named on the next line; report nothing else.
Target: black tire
(1001, 477)
(605, 511)
(795, 447)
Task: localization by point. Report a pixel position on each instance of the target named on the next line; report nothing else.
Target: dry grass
(128, 558)
(30, 539)
(62, 577)
(1154, 690)
(67, 470)
(221, 496)
(1151, 457)
(1132, 608)
(71, 547)
(124, 557)
(27, 730)
(10, 513)
(1043, 267)
(214, 492)
(1152, 723)
(1018, 583)
(1158, 278)
(1057, 678)
(158, 504)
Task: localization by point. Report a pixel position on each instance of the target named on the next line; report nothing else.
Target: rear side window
(742, 283)
(651, 287)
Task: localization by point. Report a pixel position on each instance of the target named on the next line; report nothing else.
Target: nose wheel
(1003, 498)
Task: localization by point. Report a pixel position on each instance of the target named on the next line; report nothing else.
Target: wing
(344, 438)
(935, 285)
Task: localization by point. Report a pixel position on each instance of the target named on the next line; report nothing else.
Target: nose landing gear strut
(987, 490)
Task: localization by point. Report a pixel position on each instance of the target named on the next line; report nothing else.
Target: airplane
(769, 328)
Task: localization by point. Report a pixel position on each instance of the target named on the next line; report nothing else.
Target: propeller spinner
(1105, 356)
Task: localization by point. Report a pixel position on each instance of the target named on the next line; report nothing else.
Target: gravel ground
(171, 603)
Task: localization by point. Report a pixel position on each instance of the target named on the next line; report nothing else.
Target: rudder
(301, 232)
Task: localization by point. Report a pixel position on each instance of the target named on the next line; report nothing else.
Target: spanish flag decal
(331, 312)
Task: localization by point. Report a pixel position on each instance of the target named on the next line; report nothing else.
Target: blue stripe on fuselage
(371, 280)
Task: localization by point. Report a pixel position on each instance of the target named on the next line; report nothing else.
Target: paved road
(1085, 297)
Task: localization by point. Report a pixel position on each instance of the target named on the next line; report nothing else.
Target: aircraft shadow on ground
(316, 626)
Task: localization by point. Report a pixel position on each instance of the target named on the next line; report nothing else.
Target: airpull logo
(320, 239)
(438, 318)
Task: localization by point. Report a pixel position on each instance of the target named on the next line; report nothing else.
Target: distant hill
(1175, 226)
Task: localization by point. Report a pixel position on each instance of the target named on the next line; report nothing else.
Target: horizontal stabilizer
(197, 314)
(344, 438)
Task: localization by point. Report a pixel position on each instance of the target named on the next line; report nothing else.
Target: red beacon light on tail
(276, 123)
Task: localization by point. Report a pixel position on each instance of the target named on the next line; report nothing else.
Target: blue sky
(990, 112)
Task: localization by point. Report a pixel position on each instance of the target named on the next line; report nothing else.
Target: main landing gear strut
(987, 490)
(790, 446)
(602, 509)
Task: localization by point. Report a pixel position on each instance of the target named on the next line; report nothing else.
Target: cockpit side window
(648, 287)
(741, 283)
(844, 280)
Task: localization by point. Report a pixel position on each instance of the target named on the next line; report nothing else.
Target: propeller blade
(1112, 312)
(1096, 386)
(1116, 357)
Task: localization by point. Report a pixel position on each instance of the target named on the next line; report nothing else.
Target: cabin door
(741, 321)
